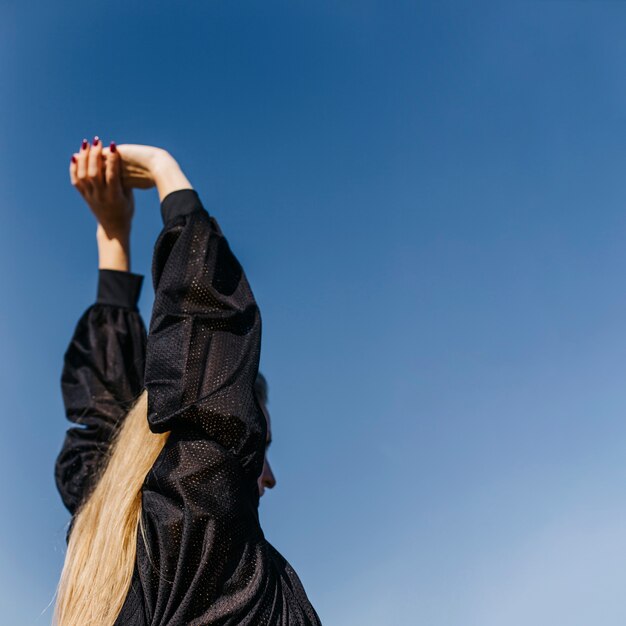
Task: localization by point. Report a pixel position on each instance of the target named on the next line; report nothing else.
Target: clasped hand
(105, 177)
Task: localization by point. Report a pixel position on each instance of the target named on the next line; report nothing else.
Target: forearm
(113, 249)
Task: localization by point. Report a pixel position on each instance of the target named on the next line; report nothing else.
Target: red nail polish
(74, 159)
(113, 147)
(96, 140)
(85, 144)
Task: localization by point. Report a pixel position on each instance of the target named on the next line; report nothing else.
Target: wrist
(167, 174)
(108, 231)
(162, 164)
(113, 249)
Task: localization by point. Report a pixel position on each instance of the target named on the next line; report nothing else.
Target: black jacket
(199, 364)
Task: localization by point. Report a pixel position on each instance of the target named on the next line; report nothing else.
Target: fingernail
(73, 159)
(85, 144)
(96, 140)
(113, 147)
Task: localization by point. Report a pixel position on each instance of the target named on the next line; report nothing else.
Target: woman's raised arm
(200, 530)
(103, 367)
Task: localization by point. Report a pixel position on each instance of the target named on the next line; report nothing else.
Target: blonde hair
(102, 546)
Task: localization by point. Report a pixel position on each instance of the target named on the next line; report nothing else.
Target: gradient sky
(429, 200)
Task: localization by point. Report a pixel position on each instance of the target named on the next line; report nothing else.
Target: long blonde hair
(101, 551)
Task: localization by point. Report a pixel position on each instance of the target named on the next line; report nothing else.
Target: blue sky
(429, 201)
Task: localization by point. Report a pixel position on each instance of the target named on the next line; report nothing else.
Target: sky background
(430, 203)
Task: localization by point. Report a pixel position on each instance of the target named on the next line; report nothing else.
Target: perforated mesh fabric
(206, 560)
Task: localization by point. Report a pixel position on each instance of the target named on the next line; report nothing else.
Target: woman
(161, 472)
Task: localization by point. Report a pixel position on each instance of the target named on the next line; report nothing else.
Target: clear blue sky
(430, 202)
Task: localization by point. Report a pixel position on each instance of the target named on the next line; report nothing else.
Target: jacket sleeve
(102, 375)
(200, 553)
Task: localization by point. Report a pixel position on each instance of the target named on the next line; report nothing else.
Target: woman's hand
(146, 166)
(97, 176)
(105, 178)
(138, 165)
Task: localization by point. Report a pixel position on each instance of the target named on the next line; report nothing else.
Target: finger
(81, 169)
(73, 168)
(113, 168)
(94, 161)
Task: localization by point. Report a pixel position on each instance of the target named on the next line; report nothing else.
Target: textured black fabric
(103, 372)
(119, 288)
(206, 560)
